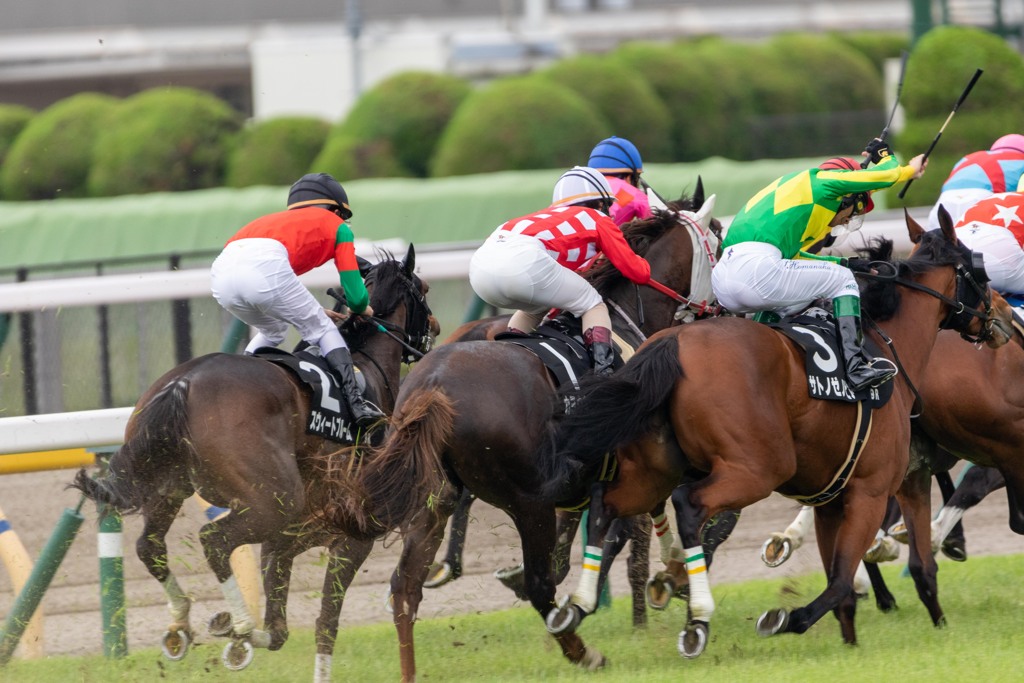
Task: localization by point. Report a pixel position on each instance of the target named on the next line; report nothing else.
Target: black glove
(857, 264)
(878, 150)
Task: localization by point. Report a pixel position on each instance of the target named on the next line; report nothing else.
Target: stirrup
(884, 364)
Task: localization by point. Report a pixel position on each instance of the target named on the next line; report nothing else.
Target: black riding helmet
(319, 189)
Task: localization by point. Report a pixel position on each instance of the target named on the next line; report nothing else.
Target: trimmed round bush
(843, 79)
(166, 139)
(13, 119)
(943, 62)
(276, 151)
(624, 98)
(347, 158)
(407, 114)
(876, 46)
(518, 124)
(52, 155)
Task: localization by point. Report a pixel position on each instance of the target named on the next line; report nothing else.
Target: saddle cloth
(329, 414)
(823, 361)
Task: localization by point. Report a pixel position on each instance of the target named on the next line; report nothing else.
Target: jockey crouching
(759, 270)
(530, 263)
(255, 278)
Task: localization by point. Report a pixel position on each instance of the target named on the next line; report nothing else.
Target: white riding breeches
(1004, 258)
(753, 276)
(253, 280)
(516, 271)
(956, 202)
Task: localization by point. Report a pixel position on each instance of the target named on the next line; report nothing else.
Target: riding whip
(963, 96)
(895, 103)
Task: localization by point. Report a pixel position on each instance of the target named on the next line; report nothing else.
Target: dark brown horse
(233, 429)
(636, 530)
(482, 408)
(726, 400)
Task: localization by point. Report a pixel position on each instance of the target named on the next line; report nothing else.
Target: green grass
(983, 599)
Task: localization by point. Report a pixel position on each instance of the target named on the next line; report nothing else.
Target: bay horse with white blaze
(725, 401)
(233, 429)
(482, 408)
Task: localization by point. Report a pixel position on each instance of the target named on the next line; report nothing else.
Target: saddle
(558, 344)
(814, 331)
(329, 415)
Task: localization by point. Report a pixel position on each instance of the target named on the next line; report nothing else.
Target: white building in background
(269, 57)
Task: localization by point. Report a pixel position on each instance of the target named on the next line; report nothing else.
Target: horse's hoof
(776, 550)
(884, 549)
(512, 578)
(439, 575)
(220, 625)
(899, 532)
(592, 660)
(175, 644)
(693, 639)
(237, 655)
(772, 622)
(955, 550)
(563, 619)
(659, 590)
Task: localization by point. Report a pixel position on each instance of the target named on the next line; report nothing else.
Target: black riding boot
(860, 370)
(599, 341)
(363, 412)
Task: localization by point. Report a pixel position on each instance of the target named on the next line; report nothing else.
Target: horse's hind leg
(346, 557)
(151, 547)
(277, 555)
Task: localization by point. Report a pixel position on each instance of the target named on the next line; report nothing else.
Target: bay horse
(637, 530)
(726, 400)
(233, 429)
(482, 409)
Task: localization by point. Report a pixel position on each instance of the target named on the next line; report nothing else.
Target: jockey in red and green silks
(760, 268)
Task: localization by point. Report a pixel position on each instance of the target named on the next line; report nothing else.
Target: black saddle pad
(563, 354)
(329, 414)
(823, 361)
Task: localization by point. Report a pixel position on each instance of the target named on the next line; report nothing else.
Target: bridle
(414, 334)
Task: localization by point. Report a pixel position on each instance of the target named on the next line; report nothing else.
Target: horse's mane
(880, 297)
(640, 234)
(386, 282)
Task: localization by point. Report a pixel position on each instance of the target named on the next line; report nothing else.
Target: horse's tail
(612, 411)
(159, 439)
(399, 478)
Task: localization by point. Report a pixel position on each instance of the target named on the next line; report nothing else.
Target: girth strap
(860, 438)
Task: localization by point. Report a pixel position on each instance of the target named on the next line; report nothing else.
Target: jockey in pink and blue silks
(979, 175)
(619, 161)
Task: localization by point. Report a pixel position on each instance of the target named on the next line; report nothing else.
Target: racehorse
(636, 530)
(233, 428)
(482, 408)
(726, 400)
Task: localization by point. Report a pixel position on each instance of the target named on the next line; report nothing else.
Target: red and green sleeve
(348, 270)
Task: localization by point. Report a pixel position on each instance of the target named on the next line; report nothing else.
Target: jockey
(980, 174)
(995, 228)
(757, 271)
(530, 263)
(255, 278)
(619, 161)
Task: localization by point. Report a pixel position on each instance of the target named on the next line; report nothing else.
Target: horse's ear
(409, 262)
(914, 228)
(698, 194)
(703, 214)
(946, 223)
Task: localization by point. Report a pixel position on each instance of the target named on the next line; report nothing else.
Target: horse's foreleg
(915, 501)
(690, 518)
(600, 522)
(346, 557)
(422, 538)
(276, 558)
(451, 568)
(781, 545)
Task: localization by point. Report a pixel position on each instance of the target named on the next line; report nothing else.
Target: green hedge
(348, 158)
(623, 97)
(54, 152)
(516, 124)
(13, 119)
(402, 117)
(164, 139)
(276, 151)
